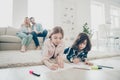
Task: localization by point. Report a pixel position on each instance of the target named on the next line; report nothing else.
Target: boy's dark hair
(31, 18)
(80, 39)
(55, 30)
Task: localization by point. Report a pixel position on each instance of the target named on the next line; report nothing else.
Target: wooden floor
(68, 73)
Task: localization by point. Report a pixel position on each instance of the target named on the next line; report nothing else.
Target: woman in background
(24, 34)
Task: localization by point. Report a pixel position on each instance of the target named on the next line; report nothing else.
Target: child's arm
(66, 50)
(46, 57)
(45, 52)
(76, 60)
(60, 60)
(88, 63)
(51, 66)
(82, 56)
(70, 55)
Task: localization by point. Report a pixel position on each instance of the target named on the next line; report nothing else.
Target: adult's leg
(43, 34)
(29, 39)
(35, 39)
(23, 36)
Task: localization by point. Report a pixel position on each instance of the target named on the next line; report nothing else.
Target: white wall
(81, 12)
(43, 11)
(65, 15)
(6, 13)
(71, 15)
(72, 20)
(57, 12)
(19, 12)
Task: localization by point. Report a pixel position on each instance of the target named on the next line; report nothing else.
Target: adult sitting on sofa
(25, 34)
(37, 31)
(10, 41)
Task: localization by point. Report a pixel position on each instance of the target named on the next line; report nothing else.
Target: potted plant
(87, 30)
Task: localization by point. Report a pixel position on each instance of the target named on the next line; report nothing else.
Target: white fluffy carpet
(33, 57)
(17, 58)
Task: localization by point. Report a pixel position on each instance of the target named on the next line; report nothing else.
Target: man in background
(37, 31)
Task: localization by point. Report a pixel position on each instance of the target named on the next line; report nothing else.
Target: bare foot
(38, 48)
(22, 49)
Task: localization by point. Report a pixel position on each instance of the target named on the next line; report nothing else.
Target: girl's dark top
(72, 53)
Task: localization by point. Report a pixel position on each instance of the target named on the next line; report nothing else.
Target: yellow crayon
(96, 67)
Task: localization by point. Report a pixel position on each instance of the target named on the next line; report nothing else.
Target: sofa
(9, 40)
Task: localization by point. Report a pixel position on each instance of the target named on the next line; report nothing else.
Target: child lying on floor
(79, 50)
(53, 49)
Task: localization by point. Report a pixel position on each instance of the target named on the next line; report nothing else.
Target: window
(6, 13)
(97, 16)
(42, 10)
(115, 17)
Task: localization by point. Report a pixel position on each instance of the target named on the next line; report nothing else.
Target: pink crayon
(35, 74)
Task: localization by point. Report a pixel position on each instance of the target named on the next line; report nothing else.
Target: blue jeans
(35, 35)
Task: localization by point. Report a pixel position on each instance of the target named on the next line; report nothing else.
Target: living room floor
(15, 58)
(68, 73)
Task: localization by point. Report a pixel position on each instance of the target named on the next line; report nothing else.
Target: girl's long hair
(26, 23)
(80, 39)
(55, 30)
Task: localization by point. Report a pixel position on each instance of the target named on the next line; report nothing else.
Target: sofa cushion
(9, 38)
(9, 46)
(11, 31)
(2, 31)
